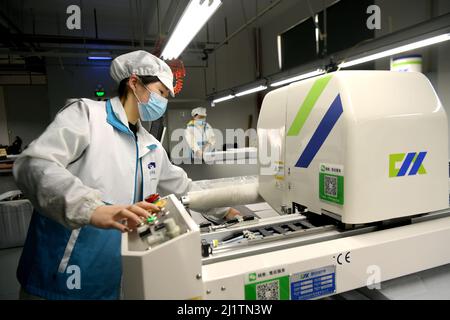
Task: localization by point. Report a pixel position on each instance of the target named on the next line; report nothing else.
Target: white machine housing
(386, 117)
(168, 271)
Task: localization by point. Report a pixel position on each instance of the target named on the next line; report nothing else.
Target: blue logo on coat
(152, 167)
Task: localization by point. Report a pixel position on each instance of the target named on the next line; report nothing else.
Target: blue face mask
(154, 108)
(200, 122)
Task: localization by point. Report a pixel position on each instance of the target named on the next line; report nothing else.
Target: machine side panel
(397, 147)
(320, 141)
(271, 150)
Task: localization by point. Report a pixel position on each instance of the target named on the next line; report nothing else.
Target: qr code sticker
(268, 291)
(331, 186)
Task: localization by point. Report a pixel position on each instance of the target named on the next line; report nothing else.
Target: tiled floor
(9, 287)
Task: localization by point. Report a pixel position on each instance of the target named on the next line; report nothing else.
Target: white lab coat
(199, 138)
(88, 157)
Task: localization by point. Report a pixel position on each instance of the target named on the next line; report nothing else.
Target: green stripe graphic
(307, 106)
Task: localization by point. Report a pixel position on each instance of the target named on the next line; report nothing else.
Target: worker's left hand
(231, 214)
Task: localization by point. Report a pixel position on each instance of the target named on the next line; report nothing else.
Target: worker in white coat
(199, 134)
(87, 176)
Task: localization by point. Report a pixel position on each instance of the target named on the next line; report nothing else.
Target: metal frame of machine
(331, 259)
(345, 260)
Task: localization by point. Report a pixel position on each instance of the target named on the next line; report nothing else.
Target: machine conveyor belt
(262, 232)
(286, 232)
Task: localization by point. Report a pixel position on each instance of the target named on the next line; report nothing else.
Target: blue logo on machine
(412, 162)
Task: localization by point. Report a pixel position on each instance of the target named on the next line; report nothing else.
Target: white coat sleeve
(173, 179)
(189, 135)
(40, 171)
(211, 137)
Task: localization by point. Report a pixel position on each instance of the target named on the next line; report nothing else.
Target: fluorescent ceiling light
(249, 91)
(317, 32)
(99, 58)
(298, 78)
(398, 50)
(280, 52)
(223, 99)
(195, 16)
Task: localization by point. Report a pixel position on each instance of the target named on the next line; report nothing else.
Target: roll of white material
(224, 197)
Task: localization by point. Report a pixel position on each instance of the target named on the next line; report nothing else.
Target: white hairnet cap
(199, 111)
(141, 63)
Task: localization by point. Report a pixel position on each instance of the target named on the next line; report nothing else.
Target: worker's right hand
(113, 217)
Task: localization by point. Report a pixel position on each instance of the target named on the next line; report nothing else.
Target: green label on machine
(267, 285)
(331, 183)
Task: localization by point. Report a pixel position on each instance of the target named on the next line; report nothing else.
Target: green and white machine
(364, 154)
(359, 146)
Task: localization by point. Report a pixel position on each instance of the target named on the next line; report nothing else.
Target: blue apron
(93, 268)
